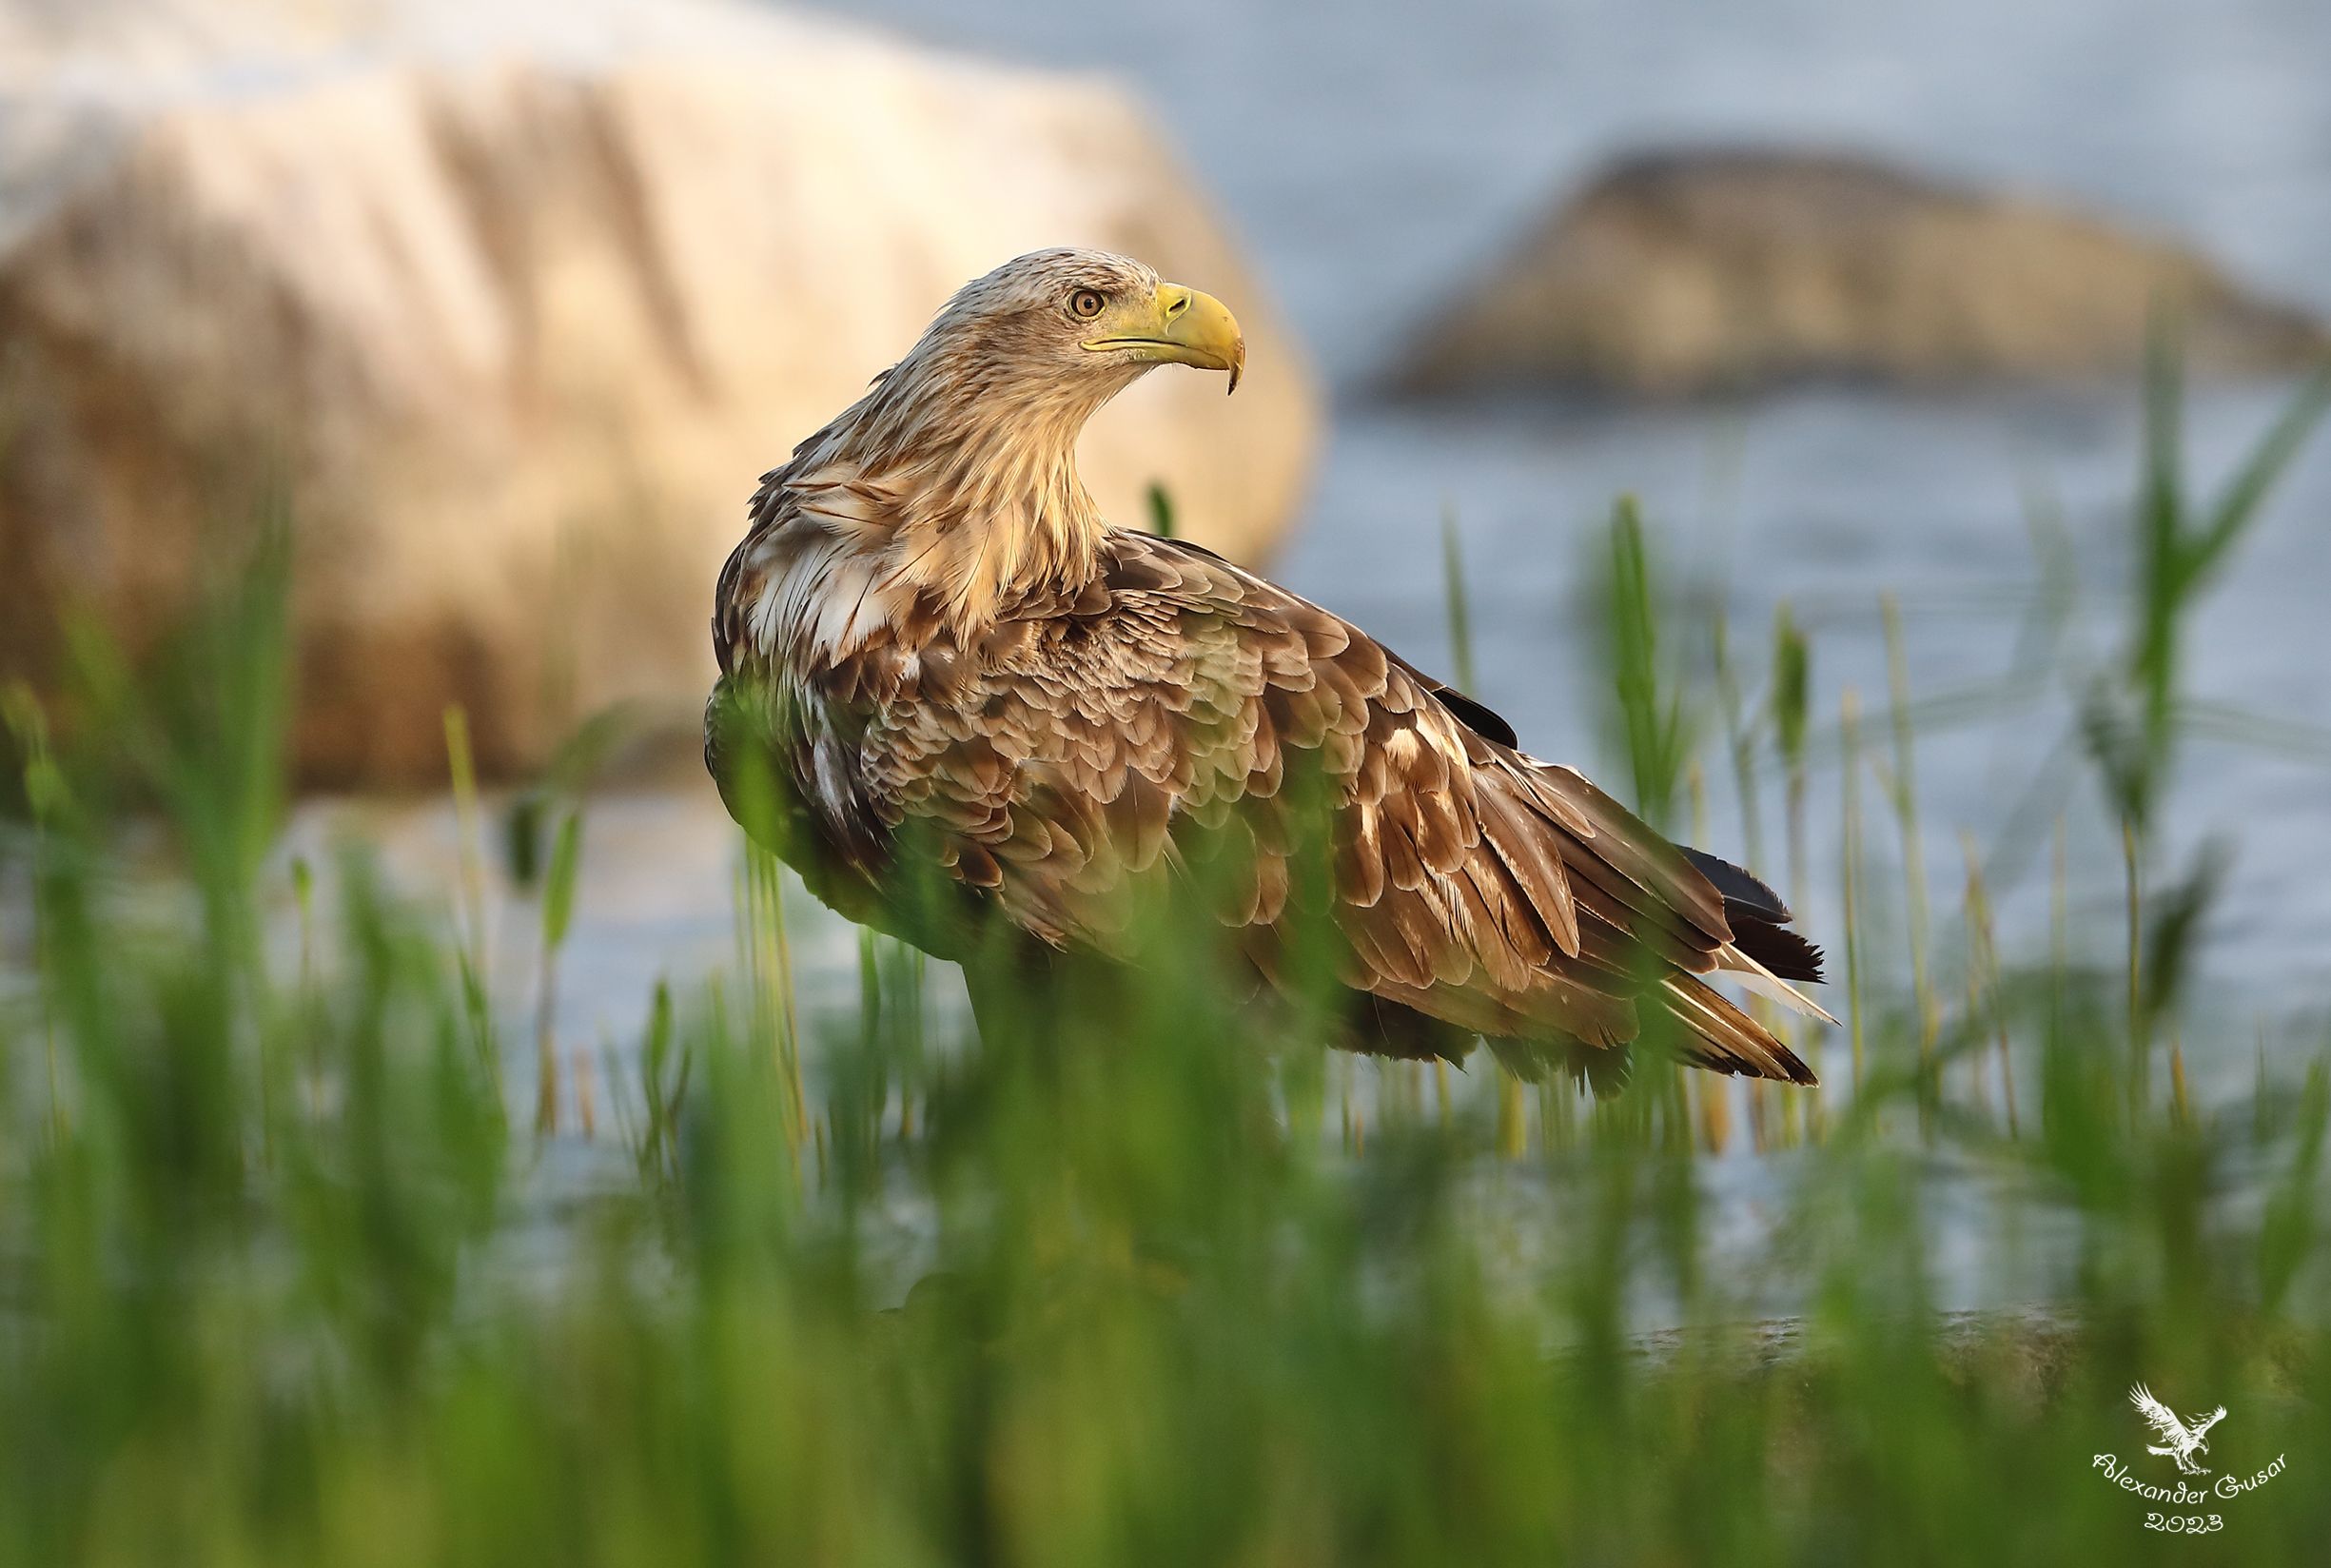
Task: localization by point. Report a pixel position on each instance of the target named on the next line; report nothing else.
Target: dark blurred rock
(1700, 271)
(515, 301)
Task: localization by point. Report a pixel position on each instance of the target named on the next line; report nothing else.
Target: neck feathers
(951, 491)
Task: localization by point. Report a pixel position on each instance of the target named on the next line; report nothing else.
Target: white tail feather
(1732, 961)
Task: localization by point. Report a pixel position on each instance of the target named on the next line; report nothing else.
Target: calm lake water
(1372, 155)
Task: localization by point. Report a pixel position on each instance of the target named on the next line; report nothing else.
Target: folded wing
(1183, 712)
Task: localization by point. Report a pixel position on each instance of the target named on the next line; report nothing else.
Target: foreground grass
(288, 1278)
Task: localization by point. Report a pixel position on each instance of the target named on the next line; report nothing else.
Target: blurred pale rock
(515, 303)
(1682, 273)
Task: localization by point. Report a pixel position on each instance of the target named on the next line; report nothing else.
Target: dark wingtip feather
(1794, 1069)
(1759, 919)
(1794, 1065)
(1476, 717)
(1744, 892)
(1783, 952)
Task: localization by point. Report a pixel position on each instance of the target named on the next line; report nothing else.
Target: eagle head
(1078, 325)
(952, 481)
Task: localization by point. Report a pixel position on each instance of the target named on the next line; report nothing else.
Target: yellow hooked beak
(1176, 326)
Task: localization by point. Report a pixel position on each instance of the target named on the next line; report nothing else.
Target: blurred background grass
(493, 1162)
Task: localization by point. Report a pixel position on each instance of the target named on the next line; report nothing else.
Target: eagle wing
(1165, 715)
(2159, 1416)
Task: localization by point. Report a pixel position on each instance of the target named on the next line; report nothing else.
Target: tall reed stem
(1914, 853)
(1850, 872)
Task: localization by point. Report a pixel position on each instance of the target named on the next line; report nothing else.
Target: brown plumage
(946, 664)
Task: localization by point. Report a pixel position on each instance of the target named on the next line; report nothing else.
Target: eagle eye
(1085, 304)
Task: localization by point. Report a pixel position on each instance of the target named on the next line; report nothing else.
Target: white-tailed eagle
(947, 667)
